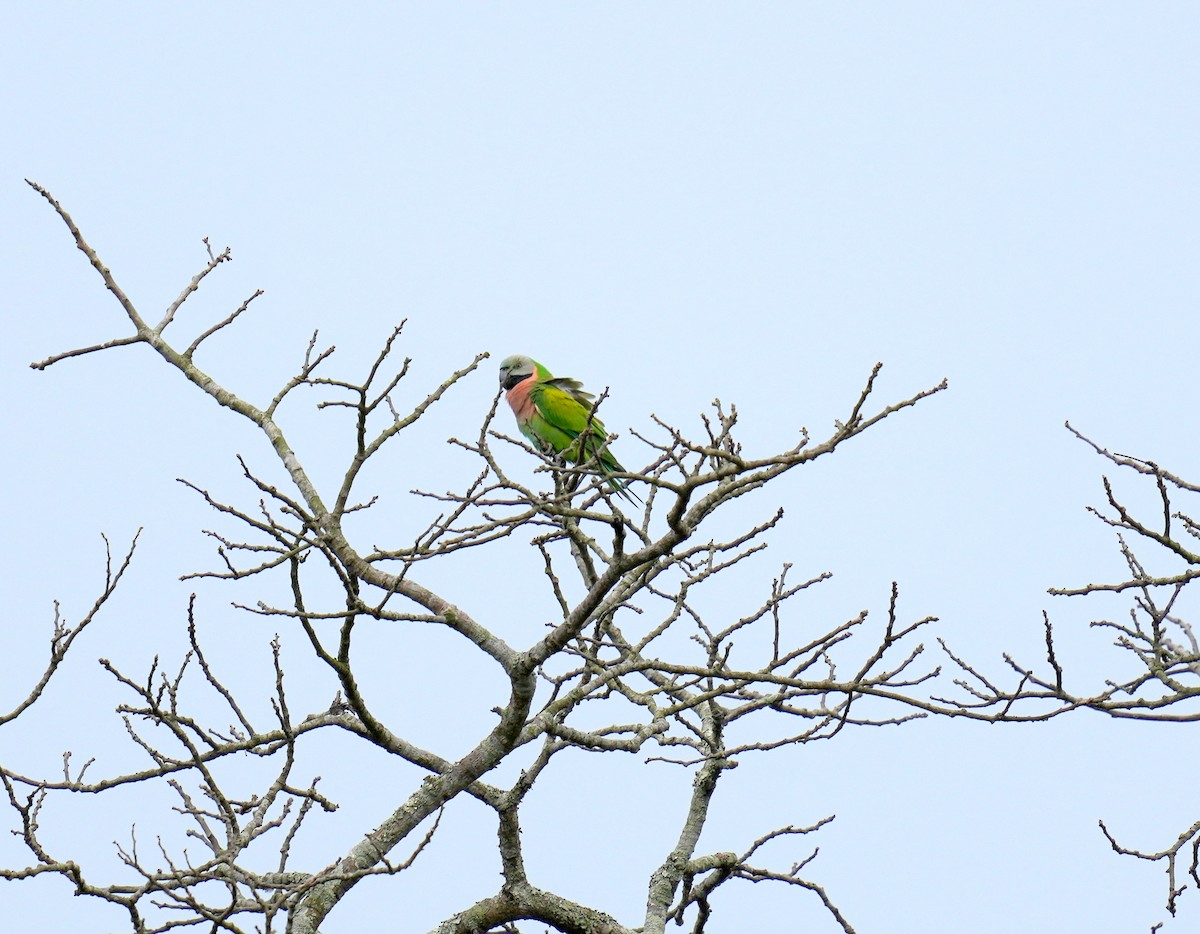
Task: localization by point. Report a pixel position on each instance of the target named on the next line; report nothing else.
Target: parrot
(552, 412)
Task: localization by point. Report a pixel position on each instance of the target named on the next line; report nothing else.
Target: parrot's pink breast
(520, 399)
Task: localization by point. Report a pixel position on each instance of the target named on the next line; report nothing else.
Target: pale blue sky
(678, 201)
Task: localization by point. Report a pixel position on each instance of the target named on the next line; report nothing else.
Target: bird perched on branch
(559, 418)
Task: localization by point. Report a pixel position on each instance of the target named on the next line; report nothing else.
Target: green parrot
(554, 412)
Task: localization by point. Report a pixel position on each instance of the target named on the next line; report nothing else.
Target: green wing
(563, 422)
(561, 417)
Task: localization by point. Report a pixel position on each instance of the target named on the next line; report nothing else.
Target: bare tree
(631, 663)
(1160, 649)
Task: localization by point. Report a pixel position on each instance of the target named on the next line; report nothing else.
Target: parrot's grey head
(514, 369)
